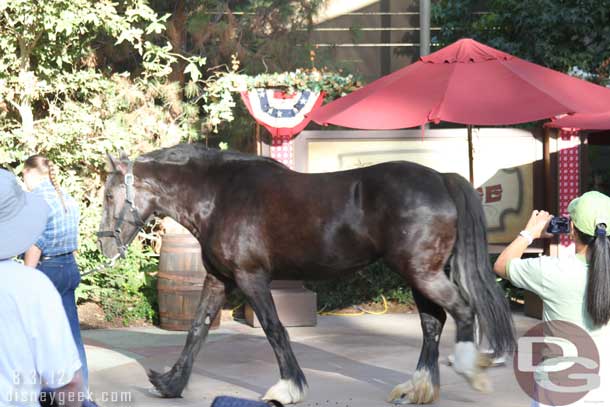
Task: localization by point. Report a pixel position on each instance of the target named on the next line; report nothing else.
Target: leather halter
(130, 208)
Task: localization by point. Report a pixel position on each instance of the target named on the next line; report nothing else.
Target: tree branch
(36, 39)
(25, 49)
(13, 103)
(24, 55)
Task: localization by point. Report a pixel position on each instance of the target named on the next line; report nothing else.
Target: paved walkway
(348, 361)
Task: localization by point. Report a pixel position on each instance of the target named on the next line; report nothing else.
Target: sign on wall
(504, 172)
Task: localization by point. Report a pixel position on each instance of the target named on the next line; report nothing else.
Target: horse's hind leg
(292, 386)
(423, 268)
(468, 362)
(423, 388)
(173, 382)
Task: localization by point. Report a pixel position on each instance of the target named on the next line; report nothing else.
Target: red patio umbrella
(468, 83)
(582, 121)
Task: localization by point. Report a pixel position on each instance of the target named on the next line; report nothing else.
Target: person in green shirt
(573, 288)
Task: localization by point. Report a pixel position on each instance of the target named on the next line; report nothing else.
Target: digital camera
(559, 225)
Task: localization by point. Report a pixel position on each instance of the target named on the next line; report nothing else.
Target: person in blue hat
(36, 345)
(575, 288)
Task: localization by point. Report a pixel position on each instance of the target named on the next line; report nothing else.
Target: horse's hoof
(480, 382)
(286, 392)
(154, 392)
(418, 390)
(484, 361)
(165, 384)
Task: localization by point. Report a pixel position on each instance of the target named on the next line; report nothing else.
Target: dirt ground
(92, 316)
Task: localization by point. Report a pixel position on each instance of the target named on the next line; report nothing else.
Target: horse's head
(127, 207)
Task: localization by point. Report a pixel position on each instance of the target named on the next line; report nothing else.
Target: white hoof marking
(465, 358)
(468, 362)
(286, 392)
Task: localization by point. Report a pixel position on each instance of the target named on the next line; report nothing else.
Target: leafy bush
(126, 291)
(367, 285)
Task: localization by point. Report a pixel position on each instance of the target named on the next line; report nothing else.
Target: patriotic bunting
(283, 114)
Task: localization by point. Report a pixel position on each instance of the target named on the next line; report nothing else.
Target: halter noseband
(128, 206)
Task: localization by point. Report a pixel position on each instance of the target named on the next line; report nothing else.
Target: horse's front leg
(292, 386)
(173, 382)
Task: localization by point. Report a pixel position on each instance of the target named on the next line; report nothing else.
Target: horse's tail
(471, 268)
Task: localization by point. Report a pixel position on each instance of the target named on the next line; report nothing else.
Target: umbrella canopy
(468, 83)
(583, 121)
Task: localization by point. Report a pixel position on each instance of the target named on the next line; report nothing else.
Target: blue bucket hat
(23, 217)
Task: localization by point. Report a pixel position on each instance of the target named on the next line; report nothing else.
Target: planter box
(296, 305)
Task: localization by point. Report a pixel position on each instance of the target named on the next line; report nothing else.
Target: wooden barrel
(180, 281)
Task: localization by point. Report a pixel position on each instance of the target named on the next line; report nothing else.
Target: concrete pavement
(348, 361)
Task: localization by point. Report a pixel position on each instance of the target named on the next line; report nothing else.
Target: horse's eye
(109, 197)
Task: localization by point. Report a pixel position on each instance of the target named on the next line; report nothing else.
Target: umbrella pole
(470, 155)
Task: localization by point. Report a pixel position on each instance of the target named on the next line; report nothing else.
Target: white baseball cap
(23, 217)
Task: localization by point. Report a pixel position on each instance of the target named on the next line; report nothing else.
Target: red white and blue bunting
(283, 114)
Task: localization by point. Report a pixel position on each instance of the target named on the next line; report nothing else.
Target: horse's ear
(124, 156)
(115, 165)
(111, 163)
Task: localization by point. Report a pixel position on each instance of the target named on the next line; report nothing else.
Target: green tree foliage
(563, 35)
(46, 55)
(82, 77)
(221, 90)
(262, 33)
(56, 100)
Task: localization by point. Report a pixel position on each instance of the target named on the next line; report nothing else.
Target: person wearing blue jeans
(63, 272)
(53, 252)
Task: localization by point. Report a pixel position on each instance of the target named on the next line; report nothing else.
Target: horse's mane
(183, 153)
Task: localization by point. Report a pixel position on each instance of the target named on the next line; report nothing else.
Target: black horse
(257, 220)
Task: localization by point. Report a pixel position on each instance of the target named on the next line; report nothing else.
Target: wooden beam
(470, 155)
(259, 148)
(548, 181)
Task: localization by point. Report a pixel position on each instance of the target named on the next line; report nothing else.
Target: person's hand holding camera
(538, 224)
